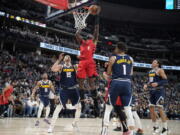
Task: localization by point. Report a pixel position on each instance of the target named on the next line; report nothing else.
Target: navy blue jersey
(68, 76)
(44, 88)
(153, 77)
(122, 67)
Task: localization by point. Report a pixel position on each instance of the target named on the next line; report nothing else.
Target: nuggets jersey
(44, 88)
(68, 76)
(153, 77)
(87, 50)
(122, 67)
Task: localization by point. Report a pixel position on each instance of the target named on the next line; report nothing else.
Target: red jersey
(7, 94)
(87, 50)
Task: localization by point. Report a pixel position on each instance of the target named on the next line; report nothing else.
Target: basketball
(94, 9)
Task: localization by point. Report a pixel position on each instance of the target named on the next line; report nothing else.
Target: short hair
(122, 46)
(159, 62)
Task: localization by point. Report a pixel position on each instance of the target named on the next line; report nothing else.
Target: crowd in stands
(28, 67)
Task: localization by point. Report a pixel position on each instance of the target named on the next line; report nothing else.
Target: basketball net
(80, 16)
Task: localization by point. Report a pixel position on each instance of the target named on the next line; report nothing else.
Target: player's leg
(41, 106)
(47, 107)
(160, 104)
(116, 88)
(92, 74)
(138, 122)
(106, 119)
(75, 98)
(81, 75)
(153, 114)
(63, 101)
(126, 97)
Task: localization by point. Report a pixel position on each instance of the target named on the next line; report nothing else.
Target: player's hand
(154, 84)
(145, 87)
(61, 56)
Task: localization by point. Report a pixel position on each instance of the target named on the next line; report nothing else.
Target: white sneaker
(75, 126)
(155, 130)
(164, 131)
(50, 130)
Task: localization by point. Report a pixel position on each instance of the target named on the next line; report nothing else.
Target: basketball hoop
(80, 16)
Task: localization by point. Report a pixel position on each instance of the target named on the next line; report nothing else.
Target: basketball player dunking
(120, 67)
(44, 87)
(87, 65)
(156, 83)
(6, 96)
(69, 91)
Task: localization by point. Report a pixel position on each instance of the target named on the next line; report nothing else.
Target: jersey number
(124, 69)
(68, 74)
(46, 90)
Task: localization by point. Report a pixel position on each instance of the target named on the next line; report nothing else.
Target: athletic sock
(164, 125)
(155, 124)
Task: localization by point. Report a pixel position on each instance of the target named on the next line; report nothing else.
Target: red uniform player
(87, 65)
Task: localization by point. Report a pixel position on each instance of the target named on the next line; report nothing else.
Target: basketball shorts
(157, 97)
(45, 100)
(120, 93)
(69, 94)
(86, 68)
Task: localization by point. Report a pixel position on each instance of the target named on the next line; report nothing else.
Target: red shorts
(3, 102)
(86, 68)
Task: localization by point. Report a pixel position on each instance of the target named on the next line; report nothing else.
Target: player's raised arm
(79, 37)
(35, 88)
(57, 67)
(96, 30)
(111, 62)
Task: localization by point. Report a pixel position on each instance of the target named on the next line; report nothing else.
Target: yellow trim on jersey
(123, 61)
(68, 70)
(45, 86)
(152, 74)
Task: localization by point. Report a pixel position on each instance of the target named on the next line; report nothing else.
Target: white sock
(107, 113)
(164, 125)
(130, 120)
(41, 106)
(137, 120)
(155, 124)
(47, 111)
(55, 115)
(78, 112)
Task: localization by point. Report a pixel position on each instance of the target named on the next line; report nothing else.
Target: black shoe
(164, 131)
(117, 129)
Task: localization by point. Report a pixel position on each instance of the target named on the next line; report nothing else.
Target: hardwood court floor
(25, 126)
